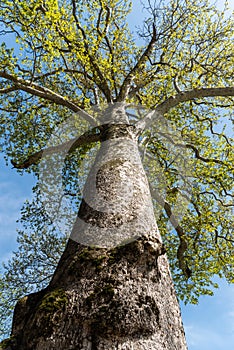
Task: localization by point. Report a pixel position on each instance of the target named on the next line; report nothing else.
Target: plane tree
(78, 89)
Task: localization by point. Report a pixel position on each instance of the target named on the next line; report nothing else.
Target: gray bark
(112, 288)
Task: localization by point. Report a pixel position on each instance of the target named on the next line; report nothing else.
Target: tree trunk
(112, 288)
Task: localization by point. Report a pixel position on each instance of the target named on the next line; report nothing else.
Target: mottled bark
(112, 288)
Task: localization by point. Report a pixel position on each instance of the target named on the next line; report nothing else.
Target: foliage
(72, 56)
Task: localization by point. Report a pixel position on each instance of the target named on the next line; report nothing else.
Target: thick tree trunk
(112, 288)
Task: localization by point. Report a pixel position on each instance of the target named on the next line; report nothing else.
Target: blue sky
(14, 190)
(208, 325)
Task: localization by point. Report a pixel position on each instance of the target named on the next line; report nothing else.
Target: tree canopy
(77, 57)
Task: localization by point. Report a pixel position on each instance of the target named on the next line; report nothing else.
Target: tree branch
(103, 85)
(183, 246)
(68, 146)
(195, 149)
(222, 237)
(198, 156)
(124, 90)
(47, 94)
(184, 96)
(217, 199)
(195, 93)
(7, 90)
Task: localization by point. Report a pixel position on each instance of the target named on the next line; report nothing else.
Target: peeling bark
(119, 293)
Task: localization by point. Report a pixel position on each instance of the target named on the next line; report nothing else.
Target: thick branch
(127, 81)
(183, 246)
(7, 90)
(103, 85)
(188, 95)
(68, 146)
(47, 94)
(195, 93)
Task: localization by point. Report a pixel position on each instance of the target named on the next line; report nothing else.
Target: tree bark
(112, 288)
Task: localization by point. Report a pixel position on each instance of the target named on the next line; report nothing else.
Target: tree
(169, 96)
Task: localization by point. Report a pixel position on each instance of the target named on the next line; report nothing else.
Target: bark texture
(112, 289)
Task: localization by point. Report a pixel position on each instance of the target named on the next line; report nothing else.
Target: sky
(208, 325)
